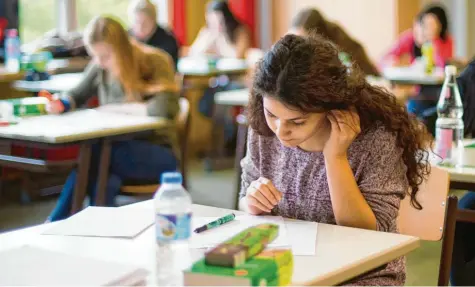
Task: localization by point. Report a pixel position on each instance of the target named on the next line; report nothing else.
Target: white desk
(56, 84)
(461, 177)
(232, 98)
(55, 66)
(413, 76)
(199, 66)
(81, 128)
(78, 126)
(341, 252)
(241, 97)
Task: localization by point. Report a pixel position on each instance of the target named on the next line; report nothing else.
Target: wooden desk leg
(200, 126)
(81, 177)
(103, 175)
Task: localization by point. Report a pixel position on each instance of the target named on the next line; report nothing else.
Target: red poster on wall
(179, 21)
(245, 11)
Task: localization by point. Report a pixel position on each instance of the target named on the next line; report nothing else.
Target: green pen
(216, 223)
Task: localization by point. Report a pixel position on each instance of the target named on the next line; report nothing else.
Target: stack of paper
(33, 266)
(104, 222)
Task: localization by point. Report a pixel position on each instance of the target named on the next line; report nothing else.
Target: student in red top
(430, 25)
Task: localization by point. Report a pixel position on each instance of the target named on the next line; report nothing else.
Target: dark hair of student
(230, 21)
(305, 73)
(311, 20)
(416, 49)
(439, 12)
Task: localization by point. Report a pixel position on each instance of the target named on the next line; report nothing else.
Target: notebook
(34, 266)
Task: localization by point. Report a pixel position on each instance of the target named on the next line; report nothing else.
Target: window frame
(67, 14)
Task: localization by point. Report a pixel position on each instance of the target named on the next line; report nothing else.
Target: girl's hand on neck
(345, 127)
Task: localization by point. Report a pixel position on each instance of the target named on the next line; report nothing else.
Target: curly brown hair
(306, 73)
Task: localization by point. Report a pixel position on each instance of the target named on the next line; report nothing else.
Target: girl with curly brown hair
(326, 146)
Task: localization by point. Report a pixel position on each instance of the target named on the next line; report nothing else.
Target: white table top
(187, 66)
(341, 252)
(241, 97)
(56, 84)
(413, 76)
(79, 125)
(465, 174)
(199, 66)
(232, 98)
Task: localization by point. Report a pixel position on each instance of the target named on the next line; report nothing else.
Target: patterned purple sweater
(301, 176)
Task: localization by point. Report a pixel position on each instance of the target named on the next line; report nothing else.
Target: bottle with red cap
(12, 50)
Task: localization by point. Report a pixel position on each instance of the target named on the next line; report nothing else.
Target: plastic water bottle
(173, 208)
(12, 51)
(449, 124)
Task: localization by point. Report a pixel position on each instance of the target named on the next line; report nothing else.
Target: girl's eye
(299, 123)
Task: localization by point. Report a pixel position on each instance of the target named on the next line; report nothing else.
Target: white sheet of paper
(33, 266)
(302, 236)
(217, 235)
(104, 222)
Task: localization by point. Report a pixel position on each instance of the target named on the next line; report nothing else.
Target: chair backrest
(183, 120)
(183, 123)
(428, 223)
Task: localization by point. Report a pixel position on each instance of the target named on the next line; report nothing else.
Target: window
(88, 9)
(36, 18)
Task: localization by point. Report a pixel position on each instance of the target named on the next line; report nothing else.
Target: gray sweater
(96, 82)
(301, 176)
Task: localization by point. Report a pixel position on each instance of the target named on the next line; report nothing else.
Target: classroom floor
(422, 264)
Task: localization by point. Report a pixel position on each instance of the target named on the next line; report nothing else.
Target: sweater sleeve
(403, 46)
(443, 50)
(165, 103)
(383, 180)
(250, 163)
(86, 88)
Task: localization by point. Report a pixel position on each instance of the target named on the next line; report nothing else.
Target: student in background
(431, 25)
(311, 20)
(223, 35)
(123, 71)
(463, 258)
(326, 146)
(143, 16)
(407, 48)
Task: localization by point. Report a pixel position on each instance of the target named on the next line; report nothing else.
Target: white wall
(162, 9)
(371, 22)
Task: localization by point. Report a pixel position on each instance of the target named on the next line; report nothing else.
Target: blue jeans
(425, 110)
(222, 114)
(130, 160)
(463, 257)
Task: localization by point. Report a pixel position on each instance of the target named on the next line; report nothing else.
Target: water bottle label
(171, 227)
(444, 142)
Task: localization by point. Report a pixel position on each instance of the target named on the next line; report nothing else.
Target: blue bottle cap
(172, 177)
